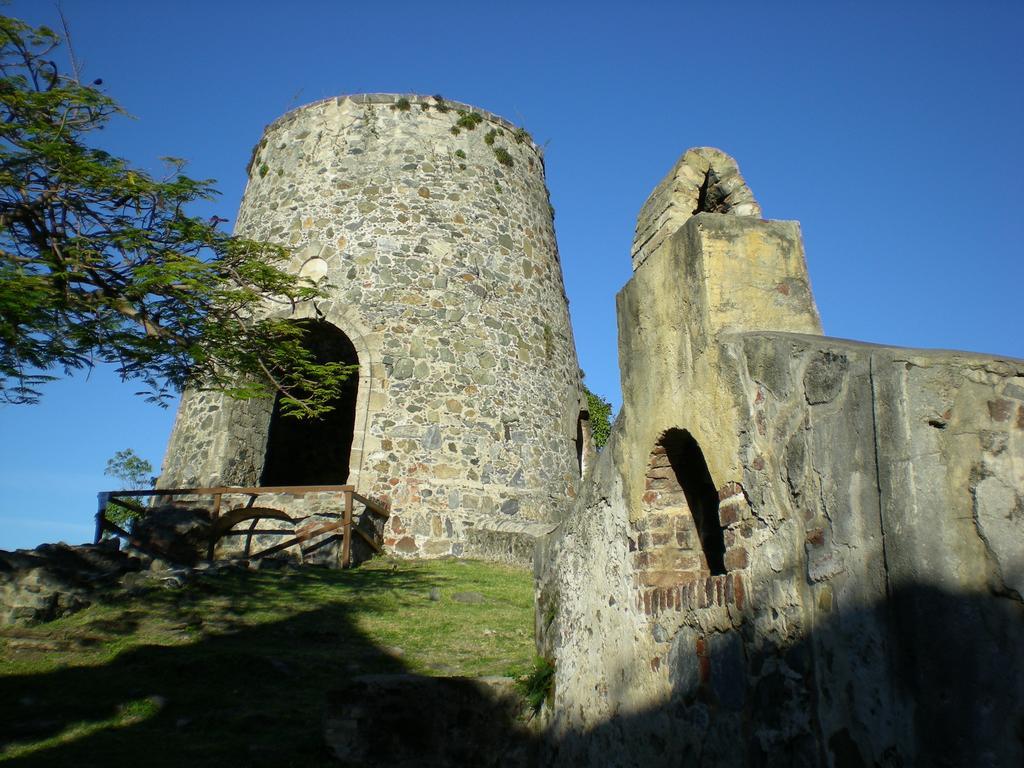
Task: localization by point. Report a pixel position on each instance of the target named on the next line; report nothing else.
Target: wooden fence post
(346, 537)
(101, 515)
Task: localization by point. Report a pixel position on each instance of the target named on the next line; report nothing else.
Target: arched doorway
(680, 536)
(315, 451)
(693, 478)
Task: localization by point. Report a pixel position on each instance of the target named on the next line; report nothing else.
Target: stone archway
(315, 451)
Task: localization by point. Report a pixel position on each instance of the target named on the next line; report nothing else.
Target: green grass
(234, 668)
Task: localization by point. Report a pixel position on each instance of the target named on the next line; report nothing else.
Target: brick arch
(703, 180)
(684, 543)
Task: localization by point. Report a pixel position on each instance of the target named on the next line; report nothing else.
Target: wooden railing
(221, 523)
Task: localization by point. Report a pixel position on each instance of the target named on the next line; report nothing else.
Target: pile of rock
(168, 549)
(55, 580)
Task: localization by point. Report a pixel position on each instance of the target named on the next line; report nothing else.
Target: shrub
(539, 684)
(503, 156)
(134, 474)
(600, 417)
(469, 120)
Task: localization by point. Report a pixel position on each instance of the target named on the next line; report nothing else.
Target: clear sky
(893, 131)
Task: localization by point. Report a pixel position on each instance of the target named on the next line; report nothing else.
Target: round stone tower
(431, 222)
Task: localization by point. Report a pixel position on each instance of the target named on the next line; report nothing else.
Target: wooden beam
(294, 490)
(379, 508)
(369, 540)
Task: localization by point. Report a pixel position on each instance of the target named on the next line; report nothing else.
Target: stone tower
(431, 221)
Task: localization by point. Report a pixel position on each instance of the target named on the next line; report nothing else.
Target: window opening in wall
(710, 196)
(692, 473)
(582, 438)
(315, 451)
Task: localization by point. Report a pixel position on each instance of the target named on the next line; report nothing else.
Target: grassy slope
(233, 669)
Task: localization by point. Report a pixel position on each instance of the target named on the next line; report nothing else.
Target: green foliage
(264, 169)
(454, 131)
(520, 135)
(133, 473)
(440, 104)
(469, 120)
(600, 417)
(490, 136)
(460, 154)
(99, 261)
(504, 157)
(539, 685)
(402, 105)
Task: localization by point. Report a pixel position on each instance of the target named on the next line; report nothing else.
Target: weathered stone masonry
(870, 504)
(438, 238)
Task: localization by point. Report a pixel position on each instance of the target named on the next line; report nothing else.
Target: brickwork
(671, 566)
(704, 180)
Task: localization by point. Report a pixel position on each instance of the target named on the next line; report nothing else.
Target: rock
(55, 580)
(137, 583)
(174, 581)
(823, 379)
(435, 594)
(180, 534)
(472, 598)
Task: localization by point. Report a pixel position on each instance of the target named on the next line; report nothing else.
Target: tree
(99, 262)
(135, 474)
(600, 417)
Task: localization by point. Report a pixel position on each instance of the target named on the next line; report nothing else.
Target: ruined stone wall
(871, 506)
(434, 228)
(704, 180)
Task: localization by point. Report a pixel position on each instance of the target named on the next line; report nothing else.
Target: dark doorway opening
(692, 473)
(315, 451)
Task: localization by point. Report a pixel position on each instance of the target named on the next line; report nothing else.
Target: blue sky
(893, 131)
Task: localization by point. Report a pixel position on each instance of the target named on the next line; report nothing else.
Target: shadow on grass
(240, 695)
(926, 678)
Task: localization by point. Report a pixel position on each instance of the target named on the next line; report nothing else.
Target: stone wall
(431, 221)
(870, 502)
